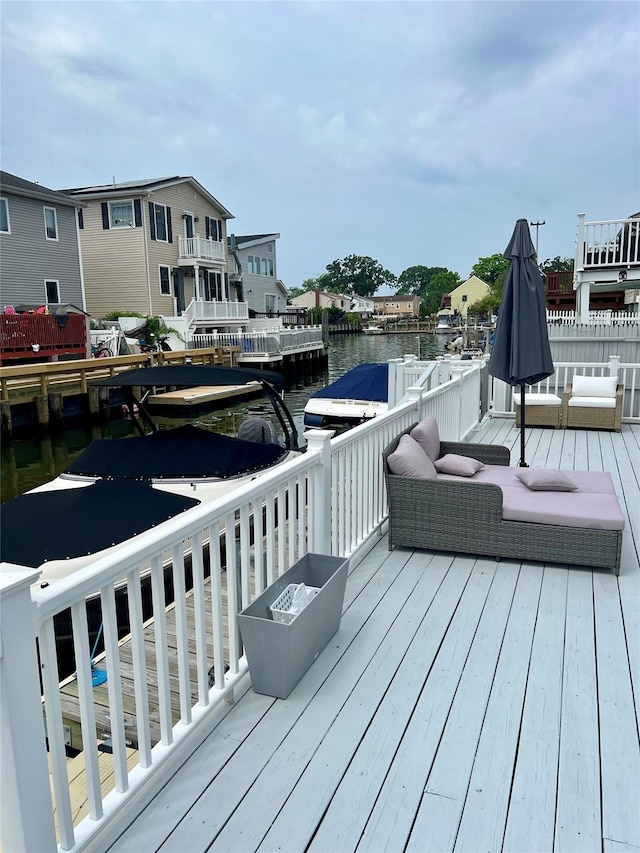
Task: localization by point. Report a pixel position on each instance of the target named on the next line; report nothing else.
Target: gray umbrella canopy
(521, 354)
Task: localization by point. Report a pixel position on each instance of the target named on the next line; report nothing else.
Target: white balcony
(608, 244)
(200, 249)
(200, 309)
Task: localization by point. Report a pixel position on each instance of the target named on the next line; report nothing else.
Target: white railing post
(614, 365)
(319, 441)
(25, 798)
(394, 390)
(414, 395)
(580, 253)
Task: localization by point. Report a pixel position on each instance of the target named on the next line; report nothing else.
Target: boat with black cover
(359, 395)
(139, 482)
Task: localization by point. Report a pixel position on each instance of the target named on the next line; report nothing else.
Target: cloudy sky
(413, 132)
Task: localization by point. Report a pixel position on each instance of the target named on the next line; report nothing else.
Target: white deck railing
(607, 243)
(595, 318)
(200, 309)
(267, 344)
(330, 499)
(200, 247)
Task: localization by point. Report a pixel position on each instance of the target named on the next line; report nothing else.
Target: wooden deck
(465, 704)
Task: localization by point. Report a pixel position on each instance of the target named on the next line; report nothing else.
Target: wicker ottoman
(541, 409)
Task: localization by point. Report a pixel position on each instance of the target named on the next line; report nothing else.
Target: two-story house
(40, 257)
(322, 299)
(41, 286)
(253, 263)
(157, 247)
(463, 297)
(397, 306)
(362, 306)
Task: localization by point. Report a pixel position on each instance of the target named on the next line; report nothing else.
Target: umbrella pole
(523, 464)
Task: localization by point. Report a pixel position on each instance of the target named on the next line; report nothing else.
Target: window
(160, 222)
(165, 286)
(270, 265)
(250, 267)
(212, 286)
(270, 248)
(52, 291)
(188, 224)
(464, 297)
(263, 266)
(121, 213)
(214, 229)
(50, 223)
(5, 225)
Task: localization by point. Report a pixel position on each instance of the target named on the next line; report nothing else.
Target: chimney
(317, 297)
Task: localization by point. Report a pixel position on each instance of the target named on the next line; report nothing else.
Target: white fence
(201, 247)
(267, 344)
(607, 243)
(200, 309)
(596, 321)
(330, 499)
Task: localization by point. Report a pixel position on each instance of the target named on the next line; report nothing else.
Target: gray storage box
(279, 654)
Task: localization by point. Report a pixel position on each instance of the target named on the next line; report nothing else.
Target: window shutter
(152, 220)
(169, 231)
(80, 218)
(105, 215)
(137, 212)
(207, 222)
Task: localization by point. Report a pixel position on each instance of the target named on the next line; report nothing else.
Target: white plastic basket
(287, 605)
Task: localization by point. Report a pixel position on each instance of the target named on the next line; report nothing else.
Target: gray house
(253, 263)
(40, 259)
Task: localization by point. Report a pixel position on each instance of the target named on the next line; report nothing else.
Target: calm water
(27, 464)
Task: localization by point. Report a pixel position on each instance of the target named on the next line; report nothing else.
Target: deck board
(465, 704)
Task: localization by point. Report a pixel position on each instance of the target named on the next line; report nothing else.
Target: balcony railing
(200, 248)
(607, 243)
(200, 309)
(267, 344)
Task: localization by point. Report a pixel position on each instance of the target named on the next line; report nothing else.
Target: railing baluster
(114, 688)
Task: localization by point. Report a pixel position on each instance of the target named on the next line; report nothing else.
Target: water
(27, 464)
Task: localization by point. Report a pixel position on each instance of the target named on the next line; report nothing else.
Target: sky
(415, 133)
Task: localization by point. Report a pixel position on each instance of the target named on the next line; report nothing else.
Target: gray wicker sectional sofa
(464, 514)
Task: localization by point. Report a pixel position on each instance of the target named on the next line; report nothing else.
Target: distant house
(397, 306)
(253, 263)
(362, 306)
(158, 247)
(464, 296)
(322, 299)
(40, 259)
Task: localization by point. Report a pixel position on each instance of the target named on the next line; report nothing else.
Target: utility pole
(537, 225)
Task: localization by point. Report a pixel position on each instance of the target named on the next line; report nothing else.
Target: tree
(356, 275)
(429, 283)
(316, 283)
(492, 270)
(557, 264)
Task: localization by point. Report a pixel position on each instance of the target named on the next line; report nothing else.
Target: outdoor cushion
(461, 466)
(427, 436)
(410, 460)
(594, 386)
(543, 480)
(592, 402)
(537, 399)
(568, 509)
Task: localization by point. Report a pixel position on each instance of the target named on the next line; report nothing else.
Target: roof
(144, 187)
(19, 186)
(254, 238)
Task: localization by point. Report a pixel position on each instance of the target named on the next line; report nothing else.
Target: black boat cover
(61, 525)
(192, 375)
(364, 382)
(186, 452)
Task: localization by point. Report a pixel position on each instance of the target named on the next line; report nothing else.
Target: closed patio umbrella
(521, 354)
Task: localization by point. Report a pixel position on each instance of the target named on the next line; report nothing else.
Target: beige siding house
(322, 299)
(397, 306)
(158, 247)
(464, 296)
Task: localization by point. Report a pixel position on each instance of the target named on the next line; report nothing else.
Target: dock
(201, 395)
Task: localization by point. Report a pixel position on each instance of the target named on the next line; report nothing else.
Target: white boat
(359, 395)
(372, 329)
(119, 488)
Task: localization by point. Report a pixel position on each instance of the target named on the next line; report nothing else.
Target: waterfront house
(607, 261)
(362, 306)
(463, 297)
(40, 258)
(157, 247)
(322, 299)
(405, 306)
(253, 264)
